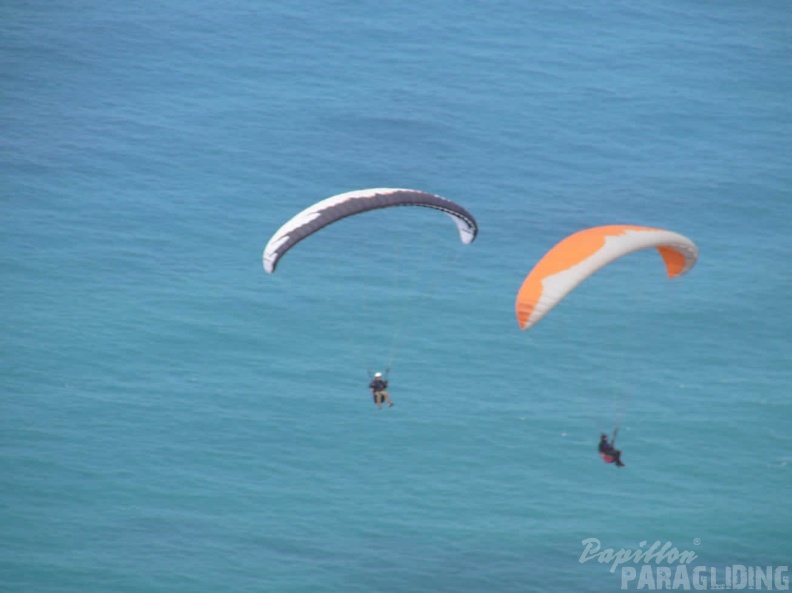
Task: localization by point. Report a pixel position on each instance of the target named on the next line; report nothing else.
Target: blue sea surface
(172, 418)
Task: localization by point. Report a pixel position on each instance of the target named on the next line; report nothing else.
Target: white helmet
(377, 375)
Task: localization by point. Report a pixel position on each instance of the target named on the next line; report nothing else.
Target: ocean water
(172, 418)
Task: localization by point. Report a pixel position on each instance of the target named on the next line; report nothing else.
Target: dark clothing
(607, 449)
(378, 385)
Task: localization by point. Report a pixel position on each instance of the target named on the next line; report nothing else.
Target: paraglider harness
(606, 448)
(382, 382)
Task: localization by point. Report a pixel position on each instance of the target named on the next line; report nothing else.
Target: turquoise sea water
(174, 419)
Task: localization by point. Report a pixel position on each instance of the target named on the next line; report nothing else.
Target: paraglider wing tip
(269, 265)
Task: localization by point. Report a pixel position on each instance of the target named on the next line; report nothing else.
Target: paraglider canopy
(581, 254)
(341, 206)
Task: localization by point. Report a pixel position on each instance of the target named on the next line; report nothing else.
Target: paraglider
(581, 254)
(335, 208)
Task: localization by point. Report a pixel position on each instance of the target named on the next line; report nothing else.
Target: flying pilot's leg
(387, 398)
